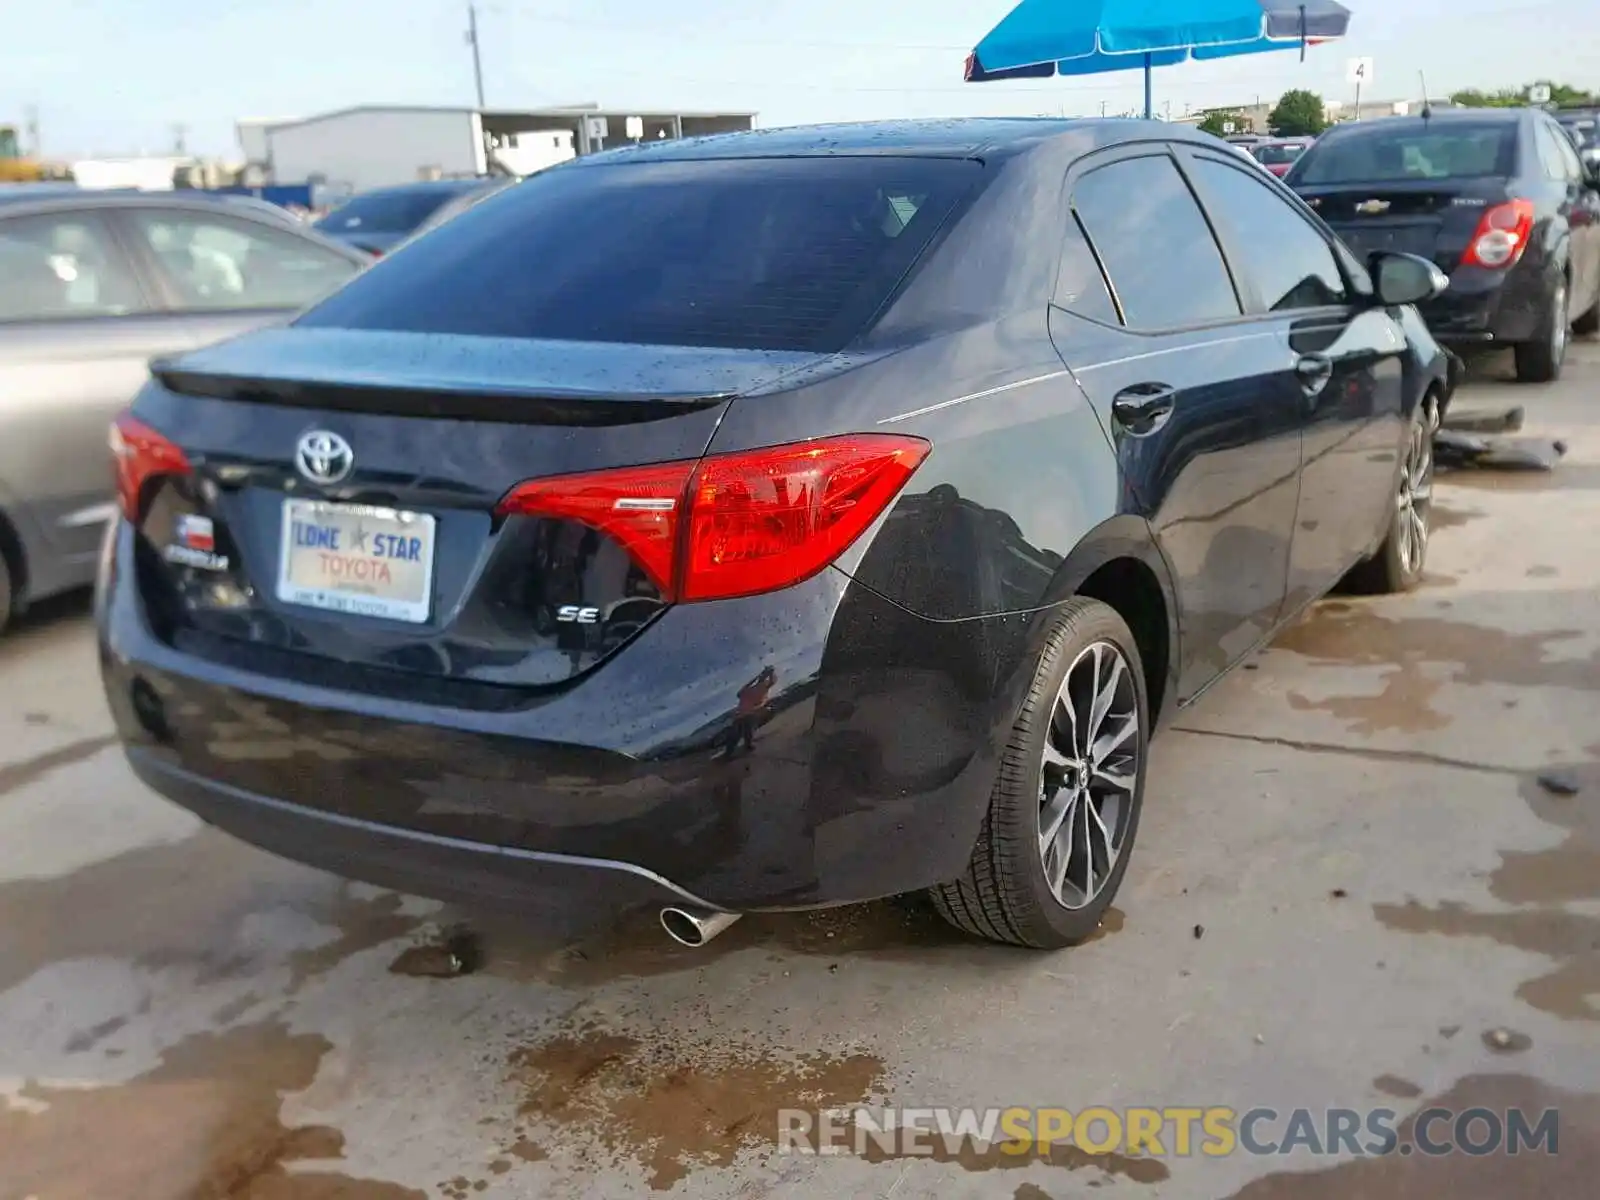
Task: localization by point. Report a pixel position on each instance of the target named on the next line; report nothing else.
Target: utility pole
(180, 139)
(31, 119)
(472, 40)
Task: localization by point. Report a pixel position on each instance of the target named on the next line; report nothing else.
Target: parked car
(92, 284)
(1497, 198)
(1583, 127)
(1278, 154)
(379, 220)
(460, 204)
(912, 533)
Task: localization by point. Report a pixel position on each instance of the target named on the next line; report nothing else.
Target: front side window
(216, 262)
(55, 267)
(1157, 249)
(1290, 262)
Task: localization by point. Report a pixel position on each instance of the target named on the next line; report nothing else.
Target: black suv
(1498, 198)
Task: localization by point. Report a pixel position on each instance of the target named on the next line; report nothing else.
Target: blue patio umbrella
(1041, 38)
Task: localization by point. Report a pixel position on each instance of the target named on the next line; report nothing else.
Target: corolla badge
(324, 457)
(1371, 208)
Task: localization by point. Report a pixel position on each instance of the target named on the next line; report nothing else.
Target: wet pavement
(1352, 890)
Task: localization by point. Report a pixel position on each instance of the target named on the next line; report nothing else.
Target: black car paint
(898, 670)
(1437, 218)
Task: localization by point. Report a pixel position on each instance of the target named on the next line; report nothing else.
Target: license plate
(356, 558)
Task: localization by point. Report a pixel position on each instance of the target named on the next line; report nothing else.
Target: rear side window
(1288, 260)
(54, 267)
(216, 262)
(781, 254)
(1442, 149)
(1080, 286)
(1156, 246)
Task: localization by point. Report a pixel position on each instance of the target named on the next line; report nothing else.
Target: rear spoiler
(544, 407)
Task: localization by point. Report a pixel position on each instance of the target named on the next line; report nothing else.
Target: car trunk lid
(1432, 218)
(340, 515)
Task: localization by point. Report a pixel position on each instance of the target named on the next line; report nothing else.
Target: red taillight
(140, 454)
(735, 524)
(638, 506)
(1501, 237)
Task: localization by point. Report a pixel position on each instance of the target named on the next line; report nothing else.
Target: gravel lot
(1347, 877)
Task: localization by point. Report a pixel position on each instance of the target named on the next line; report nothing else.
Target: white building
(355, 149)
(150, 173)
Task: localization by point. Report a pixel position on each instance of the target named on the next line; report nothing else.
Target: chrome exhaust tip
(689, 927)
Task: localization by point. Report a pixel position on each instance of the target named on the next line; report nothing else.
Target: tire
(1589, 324)
(1399, 562)
(8, 593)
(1004, 894)
(1540, 360)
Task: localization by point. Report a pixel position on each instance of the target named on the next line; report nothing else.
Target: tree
(1299, 113)
(1560, 93)
(1216, 122)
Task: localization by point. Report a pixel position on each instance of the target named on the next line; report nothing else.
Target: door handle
(1144, 407)
(1314, 370)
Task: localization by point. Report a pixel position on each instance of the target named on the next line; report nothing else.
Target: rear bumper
(866, 773)
(426, 864)
(1487, 308)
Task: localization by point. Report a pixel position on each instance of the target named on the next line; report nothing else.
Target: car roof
(91, 199)
(960, 137)
(422, 186)
(1510, 117)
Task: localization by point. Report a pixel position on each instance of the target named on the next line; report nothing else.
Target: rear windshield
(1277, 156)
(1445, 150)
(386, 212)
(780, 254)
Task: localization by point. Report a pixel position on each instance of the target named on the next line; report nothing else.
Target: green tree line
(1302, 113)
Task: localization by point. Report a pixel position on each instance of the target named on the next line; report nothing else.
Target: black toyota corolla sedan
(768, 521)
(1499, 199)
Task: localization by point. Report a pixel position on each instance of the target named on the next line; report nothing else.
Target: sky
(118, 76)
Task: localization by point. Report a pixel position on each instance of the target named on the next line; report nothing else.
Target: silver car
(92, 286)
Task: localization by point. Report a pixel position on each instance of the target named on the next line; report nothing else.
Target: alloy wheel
(1415, 500)
(1559, 334)
(1090, 775)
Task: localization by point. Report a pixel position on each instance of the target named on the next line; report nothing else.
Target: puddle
(1404, 705)
(1539, 883)
(1351, 634)
(1567, 476)
(970, 1156)
(186, 903)
(17, 776)
(900, 929)
(202, 1125)
(1357, 634)
(1461, 1176)
(1442, 516)
(670, 1106)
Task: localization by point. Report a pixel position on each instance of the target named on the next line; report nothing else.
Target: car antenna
(1427, 108)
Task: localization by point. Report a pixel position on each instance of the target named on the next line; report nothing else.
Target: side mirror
(1405, 278)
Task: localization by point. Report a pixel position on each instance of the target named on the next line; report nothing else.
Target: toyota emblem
(324, 457)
